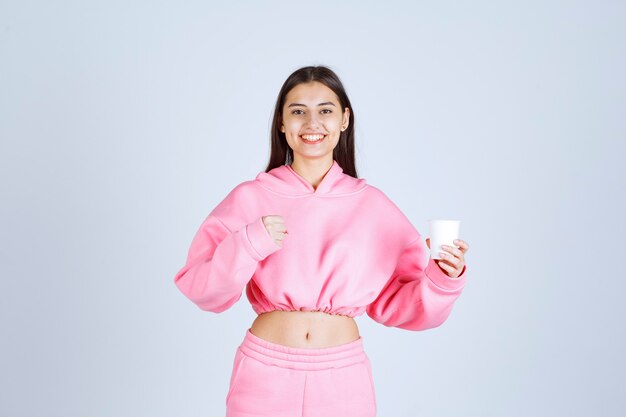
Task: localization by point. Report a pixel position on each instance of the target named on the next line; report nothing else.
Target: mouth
(312, 138)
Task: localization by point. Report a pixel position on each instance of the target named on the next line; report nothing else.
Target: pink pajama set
(348, 250)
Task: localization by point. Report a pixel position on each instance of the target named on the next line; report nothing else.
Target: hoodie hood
(284, 180)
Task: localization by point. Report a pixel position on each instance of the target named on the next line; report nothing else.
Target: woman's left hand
(452, 263)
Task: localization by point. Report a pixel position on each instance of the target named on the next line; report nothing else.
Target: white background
(122, 124)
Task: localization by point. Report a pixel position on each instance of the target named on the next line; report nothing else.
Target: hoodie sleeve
(220, 262)
(419, 295)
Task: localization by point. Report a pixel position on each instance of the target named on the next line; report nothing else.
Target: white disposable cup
(442, 232)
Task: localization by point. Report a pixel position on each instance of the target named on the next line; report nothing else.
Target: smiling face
(313, 120)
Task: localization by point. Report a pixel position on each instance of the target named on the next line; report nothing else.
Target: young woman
(314, 246)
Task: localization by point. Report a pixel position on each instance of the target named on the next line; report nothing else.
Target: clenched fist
(275, 226)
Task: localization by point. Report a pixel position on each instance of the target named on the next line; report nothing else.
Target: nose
(312, 119)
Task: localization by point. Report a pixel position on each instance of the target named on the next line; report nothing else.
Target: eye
(294, 112)
(327, 110)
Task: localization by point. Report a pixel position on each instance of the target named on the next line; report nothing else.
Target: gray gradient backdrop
(123, 124)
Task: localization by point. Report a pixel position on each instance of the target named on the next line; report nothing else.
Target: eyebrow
(321, 104)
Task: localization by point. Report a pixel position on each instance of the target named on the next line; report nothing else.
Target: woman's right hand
(275, 226)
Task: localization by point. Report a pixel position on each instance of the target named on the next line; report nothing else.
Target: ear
(346, 117)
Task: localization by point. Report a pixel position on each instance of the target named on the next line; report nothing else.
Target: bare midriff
(305, 329)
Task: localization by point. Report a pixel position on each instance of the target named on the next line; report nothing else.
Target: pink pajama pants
(272, 380)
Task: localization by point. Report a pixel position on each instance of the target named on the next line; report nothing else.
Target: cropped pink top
(348, 250)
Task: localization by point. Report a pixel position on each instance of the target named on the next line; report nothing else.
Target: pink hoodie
(348, 250)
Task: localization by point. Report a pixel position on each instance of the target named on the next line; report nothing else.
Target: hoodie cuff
(441, 279)
(260, 239)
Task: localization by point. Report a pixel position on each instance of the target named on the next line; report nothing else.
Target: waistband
(302, 358)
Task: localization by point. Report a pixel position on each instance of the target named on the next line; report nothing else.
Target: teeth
(313, 137)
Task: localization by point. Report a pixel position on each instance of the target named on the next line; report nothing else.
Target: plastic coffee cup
(442, 232)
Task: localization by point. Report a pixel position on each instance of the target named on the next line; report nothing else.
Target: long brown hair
(343, 153)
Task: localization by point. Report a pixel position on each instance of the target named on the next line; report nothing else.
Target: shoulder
(378, 198)
(386, 209)
(238, 197)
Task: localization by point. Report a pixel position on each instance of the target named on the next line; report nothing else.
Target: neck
(312, 170)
